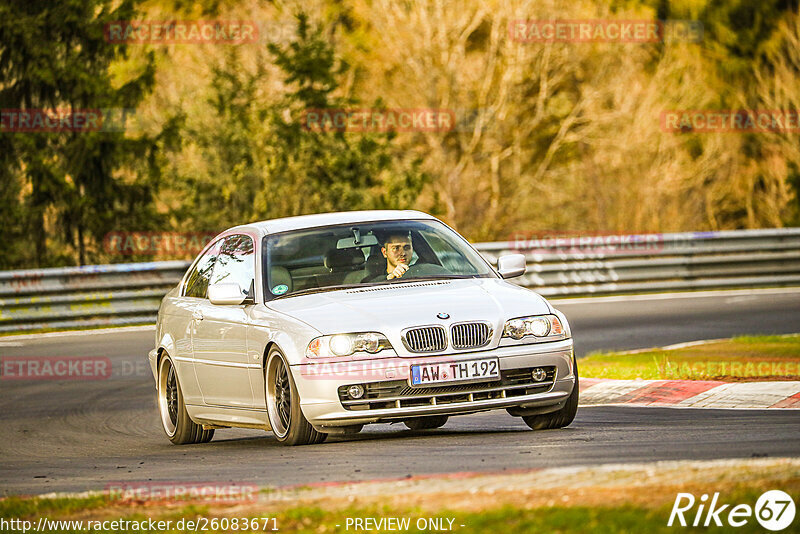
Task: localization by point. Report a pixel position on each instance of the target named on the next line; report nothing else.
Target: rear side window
(199, 276)
(236, 262)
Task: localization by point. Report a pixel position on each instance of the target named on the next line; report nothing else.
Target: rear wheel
(283, 405)
(426, 423)
(175, 421)
(562, 417)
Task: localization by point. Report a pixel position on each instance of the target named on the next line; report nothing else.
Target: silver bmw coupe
(320, 324)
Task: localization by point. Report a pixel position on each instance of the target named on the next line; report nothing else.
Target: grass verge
(623, 498)
(562, 518)
(744, 358)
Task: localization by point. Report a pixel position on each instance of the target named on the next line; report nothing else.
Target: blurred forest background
(550, 136)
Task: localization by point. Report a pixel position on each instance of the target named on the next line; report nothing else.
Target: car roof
(273, 226)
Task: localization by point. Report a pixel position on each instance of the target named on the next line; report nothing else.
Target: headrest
(376, 262)
(344, 258)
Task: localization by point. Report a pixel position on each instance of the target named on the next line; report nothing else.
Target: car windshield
(352, 255)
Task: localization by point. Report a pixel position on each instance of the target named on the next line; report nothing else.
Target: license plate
(469, 371)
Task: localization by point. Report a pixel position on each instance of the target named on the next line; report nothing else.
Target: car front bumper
(324, 408)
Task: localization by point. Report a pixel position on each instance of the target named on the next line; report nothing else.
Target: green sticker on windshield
(280, 290)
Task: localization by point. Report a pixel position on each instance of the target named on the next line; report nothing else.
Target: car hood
(389, 309)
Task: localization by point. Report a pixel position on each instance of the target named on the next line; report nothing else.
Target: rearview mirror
(511, 265)
(364, 241)
(227, 293)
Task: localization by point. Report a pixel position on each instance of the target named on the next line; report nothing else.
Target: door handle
(198, 315)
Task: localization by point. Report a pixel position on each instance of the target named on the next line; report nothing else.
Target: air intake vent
(470, 335)
(426, 339)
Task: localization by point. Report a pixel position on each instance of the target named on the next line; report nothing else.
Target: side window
(197, 281)
(236, 262)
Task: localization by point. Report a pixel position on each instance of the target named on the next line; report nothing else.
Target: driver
(398, 250)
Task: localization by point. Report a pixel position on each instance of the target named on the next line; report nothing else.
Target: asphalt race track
(83, 435)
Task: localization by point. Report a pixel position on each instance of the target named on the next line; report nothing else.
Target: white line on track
(679, 295)
(680, 407)
(686, 344)
(72, 333)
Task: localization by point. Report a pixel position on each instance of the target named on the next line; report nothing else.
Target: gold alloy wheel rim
(168, 396)
(279, 396)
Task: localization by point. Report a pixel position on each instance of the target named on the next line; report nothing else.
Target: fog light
(538, 374)
(356, 391)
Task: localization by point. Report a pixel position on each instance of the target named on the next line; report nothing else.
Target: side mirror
(511, 265)
(228, 293)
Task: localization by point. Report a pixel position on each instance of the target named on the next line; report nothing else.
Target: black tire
(562, 417)
(321, 436)
(175, 420)
(426, 423)
(286, 419)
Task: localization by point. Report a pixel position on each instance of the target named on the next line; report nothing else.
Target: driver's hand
(399, 271)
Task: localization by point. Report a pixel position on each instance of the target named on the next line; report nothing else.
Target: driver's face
(398, 250)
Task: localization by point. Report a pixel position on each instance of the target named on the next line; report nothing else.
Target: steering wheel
(425, 269)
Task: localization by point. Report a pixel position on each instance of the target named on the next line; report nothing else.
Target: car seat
(346, 266)
(376, 264)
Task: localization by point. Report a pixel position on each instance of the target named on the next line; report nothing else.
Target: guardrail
(93, 295)
(130, 293)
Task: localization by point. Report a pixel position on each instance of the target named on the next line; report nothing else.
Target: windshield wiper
(430, 278)
(312, 290)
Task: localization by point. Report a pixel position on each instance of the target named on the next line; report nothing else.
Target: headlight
(538, 326)
(347, 344)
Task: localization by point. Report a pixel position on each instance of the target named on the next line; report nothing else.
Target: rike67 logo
(774, 510)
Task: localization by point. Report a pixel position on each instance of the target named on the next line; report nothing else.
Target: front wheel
(562, 417)
(175, 420)
(283, 405)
